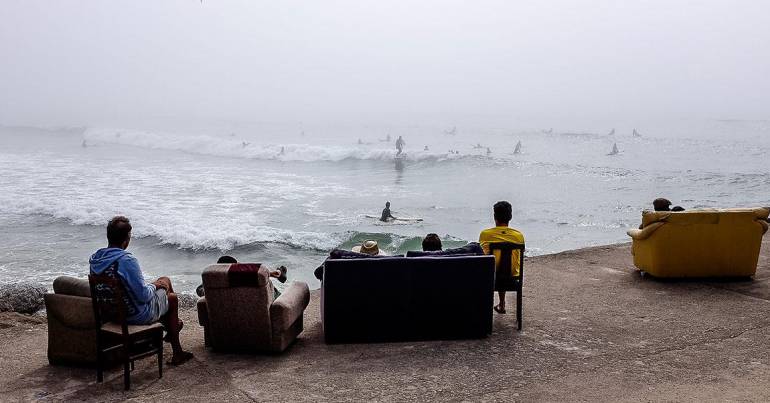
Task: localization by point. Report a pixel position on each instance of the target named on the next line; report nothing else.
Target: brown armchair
(71, 323)
(238, 312)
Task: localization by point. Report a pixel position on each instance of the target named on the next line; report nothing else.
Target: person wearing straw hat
(368, 247)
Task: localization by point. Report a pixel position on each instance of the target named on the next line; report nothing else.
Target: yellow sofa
(700, 243)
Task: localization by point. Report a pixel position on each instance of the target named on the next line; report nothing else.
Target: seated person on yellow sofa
(661, 204)
(501, 232)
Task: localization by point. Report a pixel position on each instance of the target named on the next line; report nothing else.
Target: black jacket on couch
(407, 298)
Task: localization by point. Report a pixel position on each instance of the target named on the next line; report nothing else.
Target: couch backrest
(705, 216)
(238, 306)
(407, 298)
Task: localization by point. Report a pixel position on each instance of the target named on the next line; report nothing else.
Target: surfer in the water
(386, 213)
(400, 145)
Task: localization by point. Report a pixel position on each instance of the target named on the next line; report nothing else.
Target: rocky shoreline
(24, 297)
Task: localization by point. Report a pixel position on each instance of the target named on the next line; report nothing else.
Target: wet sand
(594, 329)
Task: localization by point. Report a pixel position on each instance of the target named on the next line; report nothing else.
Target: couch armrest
(289, 306)
(762, 223)
(203, 312)
(71, 311)
(644, 233)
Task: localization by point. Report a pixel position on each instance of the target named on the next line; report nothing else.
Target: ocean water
(286, 194)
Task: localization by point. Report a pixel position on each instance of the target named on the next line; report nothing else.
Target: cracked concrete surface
(594, 329)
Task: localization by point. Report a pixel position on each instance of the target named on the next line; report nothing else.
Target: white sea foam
(230, 146)
(182, 208)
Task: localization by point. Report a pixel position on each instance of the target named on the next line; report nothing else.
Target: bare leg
(500, 308)
(173, 326)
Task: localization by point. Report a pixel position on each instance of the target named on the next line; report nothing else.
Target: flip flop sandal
(180, 359)
(498, 309)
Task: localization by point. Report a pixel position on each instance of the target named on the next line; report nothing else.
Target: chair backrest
(108, 299)
(238, 299)
(504, 278)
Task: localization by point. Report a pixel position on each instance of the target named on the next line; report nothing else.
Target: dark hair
(431, 243)
(227, 259)
(503, 212)
(118, 230)
(661, 204)
(677, 208)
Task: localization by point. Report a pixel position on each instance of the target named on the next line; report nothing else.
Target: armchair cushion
(71, 286)
(233, 275)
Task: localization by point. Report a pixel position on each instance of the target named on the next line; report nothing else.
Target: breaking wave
(230, 146)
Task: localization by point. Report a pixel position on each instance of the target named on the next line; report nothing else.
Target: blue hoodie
(140, 294)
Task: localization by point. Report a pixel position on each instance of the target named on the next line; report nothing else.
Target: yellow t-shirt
(502, 234)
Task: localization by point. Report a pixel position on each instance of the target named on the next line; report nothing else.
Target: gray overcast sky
(88, 61)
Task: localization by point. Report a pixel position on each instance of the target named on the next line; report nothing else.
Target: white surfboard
(408, 219)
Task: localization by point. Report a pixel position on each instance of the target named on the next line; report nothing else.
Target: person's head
(661, 204)
(227, 259)
(431, 243)
(387, 204)
(119, 232)
(503, 212)
(368, 247)
(677, 208)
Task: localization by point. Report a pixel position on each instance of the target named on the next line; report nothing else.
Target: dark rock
(24, 298)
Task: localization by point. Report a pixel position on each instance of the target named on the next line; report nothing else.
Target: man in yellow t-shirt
(502, 233)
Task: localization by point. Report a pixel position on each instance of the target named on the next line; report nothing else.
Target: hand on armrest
(290, 305)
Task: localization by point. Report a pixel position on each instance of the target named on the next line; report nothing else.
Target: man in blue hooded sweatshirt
(146, 303)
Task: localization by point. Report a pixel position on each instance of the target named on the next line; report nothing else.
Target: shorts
(159, 304)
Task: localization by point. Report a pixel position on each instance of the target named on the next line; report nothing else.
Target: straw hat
(368, 247)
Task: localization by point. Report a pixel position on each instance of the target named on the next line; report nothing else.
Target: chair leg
(99, 364)
(160, 355)
(126, 375)
(518, 308)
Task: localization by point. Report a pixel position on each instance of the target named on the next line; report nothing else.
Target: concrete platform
(594, 329)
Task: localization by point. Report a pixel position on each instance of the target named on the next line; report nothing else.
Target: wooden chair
(504, 278)
(114, 335)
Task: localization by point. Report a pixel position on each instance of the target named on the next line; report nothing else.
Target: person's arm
(133, 280)
(483, 242)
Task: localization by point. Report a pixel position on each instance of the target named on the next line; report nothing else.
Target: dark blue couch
(407, 298)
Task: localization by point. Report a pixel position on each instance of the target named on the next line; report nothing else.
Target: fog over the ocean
(116, 63)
